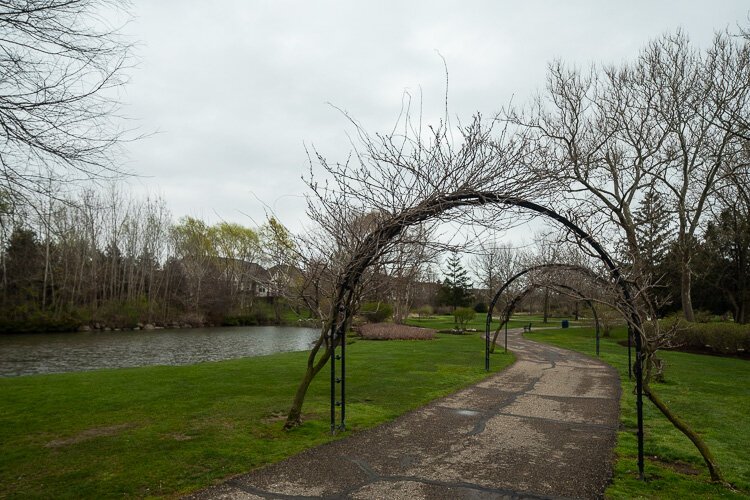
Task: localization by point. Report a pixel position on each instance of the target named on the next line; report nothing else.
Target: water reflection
(27, 354)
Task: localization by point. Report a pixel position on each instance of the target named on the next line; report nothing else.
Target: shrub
(192, 318)
(443, 310)
(376, 312)
(702, 316)
(463, 315)
(391, 331)
(480, 307)
(722, 338)
(262, 312)
(608, 319)
(26, 319)
(240, 320)
(424, 311)
(122, 314)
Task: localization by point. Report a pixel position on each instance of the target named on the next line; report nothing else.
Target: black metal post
(343, 381)
(596, 324)
(639, 406)
(333, 382)
(487, 325)
(506, 334)
(630, 361)
(597, 340)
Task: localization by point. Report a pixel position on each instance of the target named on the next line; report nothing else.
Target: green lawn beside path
(711, 393)
(447, 322)
(161, 431)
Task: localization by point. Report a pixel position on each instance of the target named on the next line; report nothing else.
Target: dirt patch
(281, 417)
(274, 417)
(92, 433)
(680, 467)
(178, 436)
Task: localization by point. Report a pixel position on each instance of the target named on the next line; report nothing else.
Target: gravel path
(543, 428)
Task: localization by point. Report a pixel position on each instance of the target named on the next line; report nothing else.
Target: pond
(29, 354)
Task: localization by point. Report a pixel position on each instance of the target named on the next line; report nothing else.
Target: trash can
(565, 323)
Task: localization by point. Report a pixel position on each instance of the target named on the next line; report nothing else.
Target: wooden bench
(527, 328)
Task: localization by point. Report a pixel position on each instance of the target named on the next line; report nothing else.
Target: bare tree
(610, 135)
(587, 152)
(405, 266)
(314, 285)
(493, 265)
(694, 92)
(399, 180)
(60, 67)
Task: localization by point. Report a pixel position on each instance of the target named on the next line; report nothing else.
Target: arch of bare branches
(511, 306)
(376, 243)
(590, 303)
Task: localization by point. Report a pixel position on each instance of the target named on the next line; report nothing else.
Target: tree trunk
(546, 305)
(683, 427)
(294, 418)
(493, 343)
(46, 263)
(686, 281)
(276, 309)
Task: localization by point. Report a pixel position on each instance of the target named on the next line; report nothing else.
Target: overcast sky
(236, 89)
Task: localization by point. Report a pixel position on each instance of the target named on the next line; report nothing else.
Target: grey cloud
(236, 88)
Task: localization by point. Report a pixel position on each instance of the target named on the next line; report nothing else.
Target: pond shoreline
(60, 352)
(158, 325)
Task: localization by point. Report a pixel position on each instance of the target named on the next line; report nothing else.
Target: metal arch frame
(510, 307)
(432, 207)
(570, 267)
(591, 306)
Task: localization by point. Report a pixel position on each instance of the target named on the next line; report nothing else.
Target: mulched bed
(391, 331)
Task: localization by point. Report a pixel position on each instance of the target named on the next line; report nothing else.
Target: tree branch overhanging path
(403, 190)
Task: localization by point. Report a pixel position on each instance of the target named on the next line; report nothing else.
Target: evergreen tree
(456, 288)
(652, 221)
(23, 272)
(726, 252)
(653, 228)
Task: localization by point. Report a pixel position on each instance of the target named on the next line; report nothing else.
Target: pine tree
(653, 222)
(456, 288)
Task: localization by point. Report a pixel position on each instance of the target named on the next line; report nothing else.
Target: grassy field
(161, 431)
(446, 322)
(710, 393)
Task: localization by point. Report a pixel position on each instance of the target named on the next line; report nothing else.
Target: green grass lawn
(161, 431)
(446, 322)
(711, 393)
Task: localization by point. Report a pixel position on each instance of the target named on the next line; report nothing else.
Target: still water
(29, 354)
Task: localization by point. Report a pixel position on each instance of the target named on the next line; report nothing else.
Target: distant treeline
(107, 259)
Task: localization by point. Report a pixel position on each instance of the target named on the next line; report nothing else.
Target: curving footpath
(543, 428)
